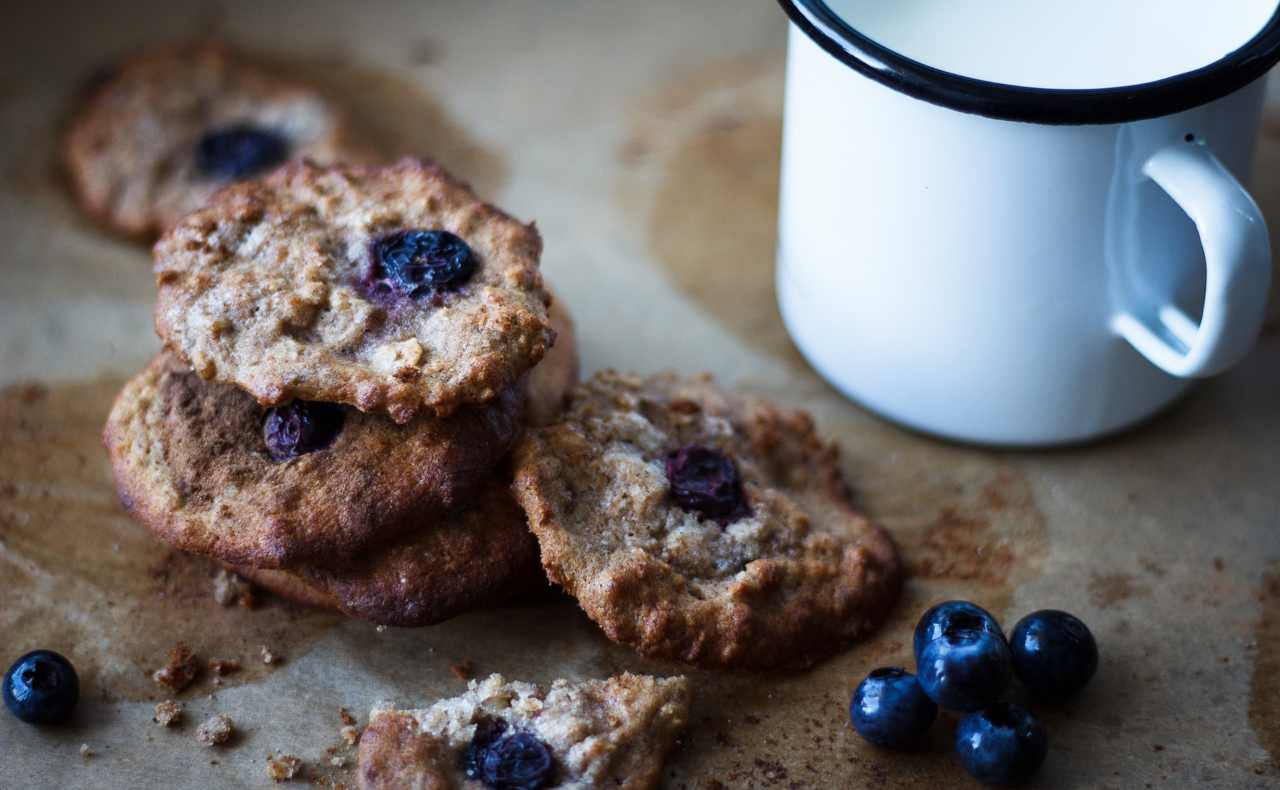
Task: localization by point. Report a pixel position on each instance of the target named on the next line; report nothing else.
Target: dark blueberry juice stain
(419, 264)
(300, 427)
(239, 151)
(705, 481)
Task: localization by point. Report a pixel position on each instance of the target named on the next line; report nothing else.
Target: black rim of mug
(1037, 105)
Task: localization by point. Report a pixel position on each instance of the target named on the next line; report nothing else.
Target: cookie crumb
(463, 670)
(346, 717)
(224, 666)
(283, 767)
(181, 669)
(269, 657)
(168, 713)
(86, 751)
(350, 734)
(216, 730)
(229, 588)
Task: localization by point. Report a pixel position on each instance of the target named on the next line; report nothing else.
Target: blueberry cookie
(702, 526)
(391, 289)
(595, 733)
(212, 472)
(164, 130)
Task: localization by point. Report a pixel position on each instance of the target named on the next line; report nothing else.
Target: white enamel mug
(1046, 252)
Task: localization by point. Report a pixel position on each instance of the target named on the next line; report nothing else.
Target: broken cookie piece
(577, 734)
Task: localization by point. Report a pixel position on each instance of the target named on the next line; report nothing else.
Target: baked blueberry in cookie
(210, 471)
(391, 289)
(300, 427)
(706, 481)
(419, 263)
(699, 525)
(158, 134)
(508, 760)
(517, 736)
(240, 151)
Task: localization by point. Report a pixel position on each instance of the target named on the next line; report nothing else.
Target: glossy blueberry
(1001, 745)
(705, 481)
(1054, 654)
(890, 709)
(967, 667)
(508, 761)
(421, 263)
(239, 152)
(936, 619)
(301, 427)
(41, 688)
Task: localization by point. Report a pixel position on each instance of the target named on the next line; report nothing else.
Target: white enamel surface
(963, 275)
(1057, 44)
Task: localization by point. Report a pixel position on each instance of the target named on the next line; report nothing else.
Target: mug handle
(1237, 252)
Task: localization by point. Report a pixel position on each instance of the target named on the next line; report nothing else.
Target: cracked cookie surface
(785, 576)
(158, 134)
(280, 287)
(597, 733)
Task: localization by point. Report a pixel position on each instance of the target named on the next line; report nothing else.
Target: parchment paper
(643, 139)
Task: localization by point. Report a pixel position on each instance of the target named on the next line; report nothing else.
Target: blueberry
(1001, 745)
(890, 710)
(487, 731)
(1054, 654)
(508, 761)
(935, 621)
(41, 688)
(421, 263)
(301, 427)
(239, 152)
(705, 481)
(967, 666)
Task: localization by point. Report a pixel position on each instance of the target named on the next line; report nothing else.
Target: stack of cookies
(367, 398)
(367, 401)
(350, 355)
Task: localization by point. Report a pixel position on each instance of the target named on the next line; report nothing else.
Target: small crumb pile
(168, 713)
(216, 730)
(283, 767)
(230, 589)
(181, 670)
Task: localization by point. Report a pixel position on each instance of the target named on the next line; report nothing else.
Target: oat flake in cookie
(392, 289)
(210, 471)
(164, 130)
(698, 525)
(499, 734)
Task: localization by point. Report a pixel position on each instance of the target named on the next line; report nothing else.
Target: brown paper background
(643, 139)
